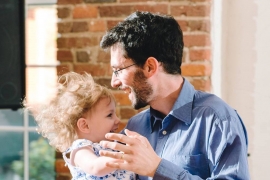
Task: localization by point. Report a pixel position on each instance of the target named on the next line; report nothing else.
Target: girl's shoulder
(80, 143)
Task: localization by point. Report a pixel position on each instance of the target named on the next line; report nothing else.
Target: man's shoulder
(140, 123)
(213, 102)
(144, 114)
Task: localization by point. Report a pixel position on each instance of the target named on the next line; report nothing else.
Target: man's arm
(140, 157)
(136, 152)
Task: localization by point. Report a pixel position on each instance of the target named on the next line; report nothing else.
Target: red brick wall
(83, 22)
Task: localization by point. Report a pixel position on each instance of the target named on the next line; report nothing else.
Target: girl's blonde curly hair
(76, 94)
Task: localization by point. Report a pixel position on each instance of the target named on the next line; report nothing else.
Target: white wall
(241, 76)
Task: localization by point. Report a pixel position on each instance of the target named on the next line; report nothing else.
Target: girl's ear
(83, 125)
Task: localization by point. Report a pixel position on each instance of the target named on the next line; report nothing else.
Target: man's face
(131, 79)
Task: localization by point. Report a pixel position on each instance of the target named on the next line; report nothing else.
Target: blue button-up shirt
(201, 138)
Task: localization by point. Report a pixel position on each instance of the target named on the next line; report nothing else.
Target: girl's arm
(90, 163)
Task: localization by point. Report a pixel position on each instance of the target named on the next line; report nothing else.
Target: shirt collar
(155, 117)
(182, 107)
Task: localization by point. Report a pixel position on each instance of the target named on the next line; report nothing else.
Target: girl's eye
(110, 115)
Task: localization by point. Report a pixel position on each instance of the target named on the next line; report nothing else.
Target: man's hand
(137, 155)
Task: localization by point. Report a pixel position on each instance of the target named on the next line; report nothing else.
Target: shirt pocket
(195, 164)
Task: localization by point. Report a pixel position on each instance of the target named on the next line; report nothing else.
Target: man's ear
(83, 125)
(150, 66)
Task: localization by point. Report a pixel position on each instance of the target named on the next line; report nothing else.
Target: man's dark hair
(143, 35)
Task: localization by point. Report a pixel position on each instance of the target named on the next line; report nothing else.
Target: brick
(82, 56)
(61, 2)
(111, 24)
(121, 98)
(64, 27)
(62, 69)
(200, 0)
(203, 25)
(185, 57)
(121, 126)
(115, 11)
(99, 1)
(93, 69)
(63, 12)
(58, 155)
(103, 56)
(60, 166)
(196, 70)
(192, 10)
(197, 40)
(97, 26)
(63, 177)
(79, 27)
(199, 54)
(79, 42)
(155, 8)
(127, 112)
(85, 11)
(202, 84)
(183, 25)
(61, 42)
(64, 55)
(126, 1)
(104, 82)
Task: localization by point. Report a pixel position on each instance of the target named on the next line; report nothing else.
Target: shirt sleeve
(167, 170)
(227, 152)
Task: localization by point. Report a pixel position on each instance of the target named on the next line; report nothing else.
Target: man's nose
(115, 82)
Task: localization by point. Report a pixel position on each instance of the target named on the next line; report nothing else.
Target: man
(190, 134)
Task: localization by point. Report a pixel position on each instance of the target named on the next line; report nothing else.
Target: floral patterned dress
(78, 174)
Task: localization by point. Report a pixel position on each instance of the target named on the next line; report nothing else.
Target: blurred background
(227, 50)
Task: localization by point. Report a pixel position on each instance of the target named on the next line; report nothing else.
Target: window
(22, 148)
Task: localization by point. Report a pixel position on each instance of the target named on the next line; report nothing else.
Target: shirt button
(164, 132)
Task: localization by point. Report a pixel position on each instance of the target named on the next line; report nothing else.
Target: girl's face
(102, 119)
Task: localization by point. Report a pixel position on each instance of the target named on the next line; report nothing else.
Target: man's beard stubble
(142, 90)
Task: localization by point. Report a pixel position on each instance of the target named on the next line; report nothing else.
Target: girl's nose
(117, 120)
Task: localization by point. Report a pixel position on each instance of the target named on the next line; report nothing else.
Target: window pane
(41, 34)
(40, 84)
(9, 117)
(41, 158)
(11, 155)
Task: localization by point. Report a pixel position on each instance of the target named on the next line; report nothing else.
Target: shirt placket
(163, 135)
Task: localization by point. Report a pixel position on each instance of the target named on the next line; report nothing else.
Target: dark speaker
(12, 53)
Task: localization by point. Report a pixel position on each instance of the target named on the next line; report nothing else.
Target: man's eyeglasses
(116, 72)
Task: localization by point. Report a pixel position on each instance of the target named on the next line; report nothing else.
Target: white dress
(78, 174)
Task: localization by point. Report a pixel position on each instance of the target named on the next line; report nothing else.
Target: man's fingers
(118, 137)
(116, 155)
(116, 146)
(135, 135)
(116, 165)
(131, 133)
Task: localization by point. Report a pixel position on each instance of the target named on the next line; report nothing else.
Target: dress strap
(79, 143)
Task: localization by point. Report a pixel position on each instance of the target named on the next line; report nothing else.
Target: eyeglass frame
(116, 71)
